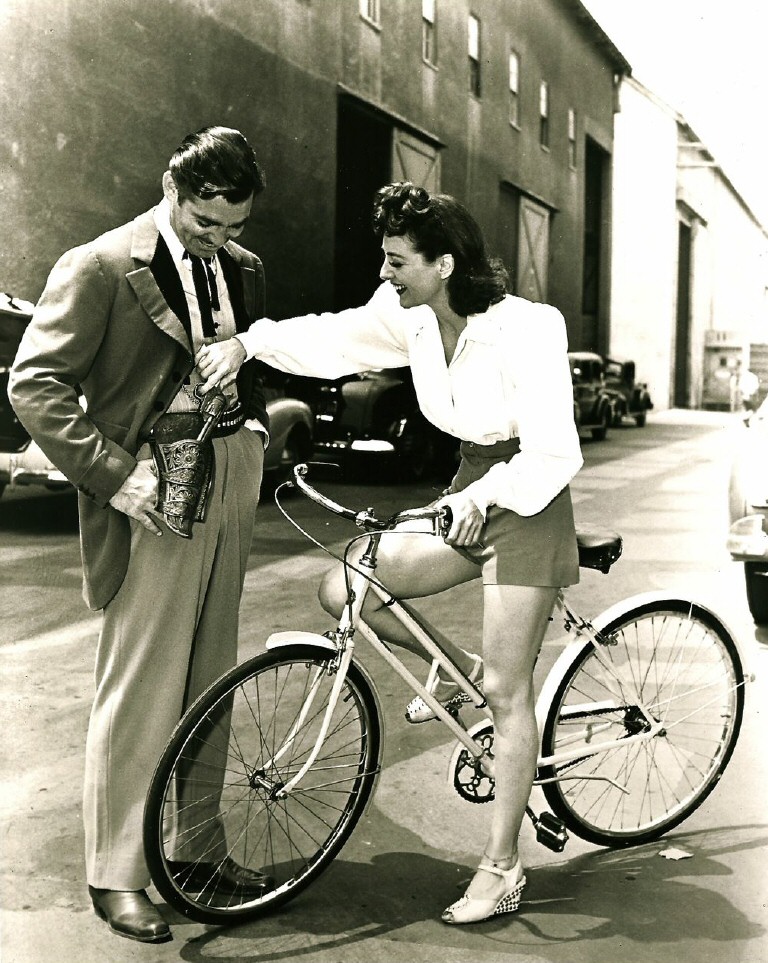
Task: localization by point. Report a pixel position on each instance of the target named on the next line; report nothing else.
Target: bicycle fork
(333, 698)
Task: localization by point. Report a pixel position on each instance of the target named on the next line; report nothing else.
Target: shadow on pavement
(630, 896)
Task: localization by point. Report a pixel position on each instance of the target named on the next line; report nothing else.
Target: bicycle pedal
(551, 832)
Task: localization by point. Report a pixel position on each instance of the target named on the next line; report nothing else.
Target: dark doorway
(364, 157)
(683, 320)
(592, 280)
(508, 232)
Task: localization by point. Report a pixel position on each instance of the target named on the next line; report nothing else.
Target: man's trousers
(168, 633)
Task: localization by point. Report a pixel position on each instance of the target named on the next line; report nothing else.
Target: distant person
(748, 385)
(492, 370)
(122, 317)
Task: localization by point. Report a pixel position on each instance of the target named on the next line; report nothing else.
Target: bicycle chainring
(470, 780)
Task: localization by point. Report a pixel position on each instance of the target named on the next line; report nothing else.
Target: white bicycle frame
(344, 647)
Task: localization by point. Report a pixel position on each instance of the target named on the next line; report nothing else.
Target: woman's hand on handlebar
(467, 520)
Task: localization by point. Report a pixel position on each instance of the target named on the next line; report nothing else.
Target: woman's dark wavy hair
(216, 162)
(438, 224)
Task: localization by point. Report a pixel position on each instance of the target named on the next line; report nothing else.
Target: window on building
(429, 30)
(371, 10)
(514, 88)
(572, 156)
(474, 54)
(544, 114)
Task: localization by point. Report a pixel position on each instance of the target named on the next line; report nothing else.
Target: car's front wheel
(297, 448)
(414, 450)
(756, 577)
(600, 433)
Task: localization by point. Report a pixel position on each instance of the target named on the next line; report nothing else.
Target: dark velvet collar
(169, 282)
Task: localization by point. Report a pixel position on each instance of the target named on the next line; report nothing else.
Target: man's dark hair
(216, 162)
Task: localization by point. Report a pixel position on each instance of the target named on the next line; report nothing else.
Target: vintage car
(371, 422)
(23, 463)
(748, 509)
(592, 404)
(631, 398)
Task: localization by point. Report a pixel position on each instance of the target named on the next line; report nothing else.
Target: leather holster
(185, 469)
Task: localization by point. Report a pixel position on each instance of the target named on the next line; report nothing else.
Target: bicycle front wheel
(672, 661)
(222, 842)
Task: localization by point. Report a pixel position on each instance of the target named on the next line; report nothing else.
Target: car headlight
(747, 537)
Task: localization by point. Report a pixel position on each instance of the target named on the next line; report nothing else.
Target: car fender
(284, 414)
(573, 651)
(359, 394)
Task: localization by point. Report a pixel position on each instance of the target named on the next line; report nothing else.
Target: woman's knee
(507, 697)
(332, 592)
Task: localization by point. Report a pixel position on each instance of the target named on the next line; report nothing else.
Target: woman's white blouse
(509, 377)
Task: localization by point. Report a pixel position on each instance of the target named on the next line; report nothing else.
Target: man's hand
(219, 363)
(138, 494)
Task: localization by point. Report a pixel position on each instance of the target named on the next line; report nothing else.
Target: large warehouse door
(533, 251)
(415, 160)
(371, 152)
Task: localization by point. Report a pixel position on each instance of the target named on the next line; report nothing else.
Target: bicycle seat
(598, 550)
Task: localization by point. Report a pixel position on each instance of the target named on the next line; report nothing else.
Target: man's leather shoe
(226, 878)
(130, 913)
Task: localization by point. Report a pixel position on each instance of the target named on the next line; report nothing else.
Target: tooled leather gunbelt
(230, 421)
(182, 449)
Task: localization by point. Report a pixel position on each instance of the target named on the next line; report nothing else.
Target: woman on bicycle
(492, 370)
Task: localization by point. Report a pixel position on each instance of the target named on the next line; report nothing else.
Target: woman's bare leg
(411, 565)
(515, 621)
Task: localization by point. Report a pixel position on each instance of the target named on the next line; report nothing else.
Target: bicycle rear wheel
(678, 661)
(214, 802)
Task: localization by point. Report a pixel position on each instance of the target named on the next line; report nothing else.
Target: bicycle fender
(574, 649)
(279, 640)
(645, 597)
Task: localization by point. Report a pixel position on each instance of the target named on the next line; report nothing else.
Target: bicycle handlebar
(366, 519)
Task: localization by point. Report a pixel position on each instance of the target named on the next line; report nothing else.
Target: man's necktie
(206, 291)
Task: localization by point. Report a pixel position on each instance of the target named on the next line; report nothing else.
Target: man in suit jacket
(120, 321)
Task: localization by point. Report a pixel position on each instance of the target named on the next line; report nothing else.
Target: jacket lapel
(157, 284)
(241, 287)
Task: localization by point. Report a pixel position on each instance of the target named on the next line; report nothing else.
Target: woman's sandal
(470, 909)
(448, 694)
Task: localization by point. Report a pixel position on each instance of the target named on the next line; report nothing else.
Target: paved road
(663, 488)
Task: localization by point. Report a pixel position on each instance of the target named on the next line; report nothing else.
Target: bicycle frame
(344, 645)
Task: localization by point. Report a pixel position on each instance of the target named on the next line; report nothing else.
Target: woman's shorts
(519, 549)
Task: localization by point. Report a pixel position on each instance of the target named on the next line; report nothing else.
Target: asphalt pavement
(699, 894)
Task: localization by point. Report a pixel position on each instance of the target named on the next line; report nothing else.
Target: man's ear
(170, 191)
(446, 266)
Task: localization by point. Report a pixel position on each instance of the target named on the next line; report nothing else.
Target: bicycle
(276, 761)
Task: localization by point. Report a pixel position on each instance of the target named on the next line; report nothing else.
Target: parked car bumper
(748, 539)
(351, 446)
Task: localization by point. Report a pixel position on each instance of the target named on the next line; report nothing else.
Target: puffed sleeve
(536, 359)
(332, 345)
